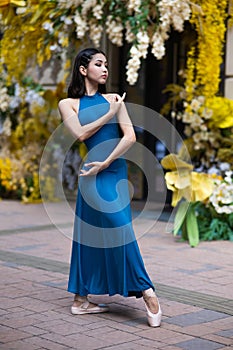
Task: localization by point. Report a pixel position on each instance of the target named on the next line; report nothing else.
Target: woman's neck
(91, 89)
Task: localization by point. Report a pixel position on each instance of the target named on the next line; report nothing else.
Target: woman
(105, 255)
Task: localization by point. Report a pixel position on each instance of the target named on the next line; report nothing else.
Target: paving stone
(171, 347)
(46, 344)
(19, 345)
(198, 330)
(201, 344)
(149, 344)
(219, 339)
(159, 334)
(20, 322)
(33, 330)
(227, 333)
(127, 346)
(9, 335)
(196, 318)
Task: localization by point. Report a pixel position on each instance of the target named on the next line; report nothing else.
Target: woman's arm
(125, 143)
(83, 132)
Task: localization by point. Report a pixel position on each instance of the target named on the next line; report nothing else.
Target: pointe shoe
(154, 320)
(85, 309)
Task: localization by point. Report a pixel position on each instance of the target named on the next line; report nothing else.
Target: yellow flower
(222, 108)
(184, 182)
(204, 60)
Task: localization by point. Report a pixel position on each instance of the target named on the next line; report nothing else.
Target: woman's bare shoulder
(68, 101)
(67, 104)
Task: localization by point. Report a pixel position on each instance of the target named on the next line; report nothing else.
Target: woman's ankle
(79, 298)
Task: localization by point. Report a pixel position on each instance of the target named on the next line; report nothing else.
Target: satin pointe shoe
(154, 320)
(85, 308)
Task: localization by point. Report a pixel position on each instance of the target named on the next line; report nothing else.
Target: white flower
(197, 137)
(222, 196)
(178, 23)
(53, 47)
(187, 131)
(197, 147)
(143, 43)
(173, 114)
(87, 5)
(196, 120)
(207, 113)
(21, 10)
(98, 11)
(14, 102)
(32, 96)
(129, 36)
(67, 20)
(48, 26)
(173, 12)
(187, 118)
(6, 127)
(114, 29)
(81, 25)
(203, 127)
(95, 32)
(224, 166)
(201, 99)
(228, 177)
(195, 104)
(4, 98)
(158, 48)
(213, 170)
(134, 5)
(133, 66)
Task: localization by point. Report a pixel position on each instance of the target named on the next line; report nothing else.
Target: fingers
(118, 99)
(123, 97)
(93, 169)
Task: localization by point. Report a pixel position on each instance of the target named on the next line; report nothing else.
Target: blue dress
(105, 255)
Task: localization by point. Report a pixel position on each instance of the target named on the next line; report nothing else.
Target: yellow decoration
(203, 69)
(4, 3)
(185, 183)
(222, 112)
(173, 162)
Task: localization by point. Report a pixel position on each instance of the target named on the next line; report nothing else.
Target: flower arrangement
(27, 119)
(204, 201)
(48, 29)
(207, 126)
(191, 186)
(222, 197)
(215, 217)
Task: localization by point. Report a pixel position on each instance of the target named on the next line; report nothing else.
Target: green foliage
(198, 221)
(180, 217)
(186, 223)
(213, 226)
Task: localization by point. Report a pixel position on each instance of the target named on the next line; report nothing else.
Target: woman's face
(97, 70)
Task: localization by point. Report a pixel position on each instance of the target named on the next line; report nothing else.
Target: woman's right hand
(115, 103)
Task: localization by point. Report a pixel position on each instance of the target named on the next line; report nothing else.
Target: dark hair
(76, 87)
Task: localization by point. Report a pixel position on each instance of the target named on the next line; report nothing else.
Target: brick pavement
(195, 288)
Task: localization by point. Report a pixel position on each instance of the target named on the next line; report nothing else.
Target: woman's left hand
(93, 168)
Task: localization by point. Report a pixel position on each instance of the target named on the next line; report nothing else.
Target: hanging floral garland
(46, 29)
(206, 116)
(205, 58)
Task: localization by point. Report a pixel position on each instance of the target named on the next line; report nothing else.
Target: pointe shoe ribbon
(154, 320)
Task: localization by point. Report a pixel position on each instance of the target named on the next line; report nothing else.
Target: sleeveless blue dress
(105, 255)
